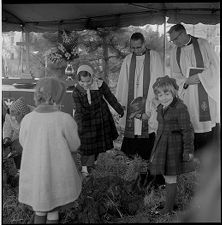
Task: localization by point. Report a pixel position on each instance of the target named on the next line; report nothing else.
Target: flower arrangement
(67, 49)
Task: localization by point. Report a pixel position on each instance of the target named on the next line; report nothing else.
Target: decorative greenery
(106, 197)
(67, 48)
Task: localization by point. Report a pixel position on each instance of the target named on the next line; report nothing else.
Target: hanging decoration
(67, 48)
(65, 52)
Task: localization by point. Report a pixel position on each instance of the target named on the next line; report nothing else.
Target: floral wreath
(67, 49)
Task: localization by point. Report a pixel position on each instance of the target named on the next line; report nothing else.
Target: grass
(112, 163)
(14, 212)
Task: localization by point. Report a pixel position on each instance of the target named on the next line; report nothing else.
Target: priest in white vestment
(139, 71)
(200, 91)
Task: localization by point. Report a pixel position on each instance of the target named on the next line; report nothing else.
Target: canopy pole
(164, 46)
(27, 38)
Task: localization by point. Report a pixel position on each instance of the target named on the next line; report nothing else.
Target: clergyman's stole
(204, 110)
(129, 128)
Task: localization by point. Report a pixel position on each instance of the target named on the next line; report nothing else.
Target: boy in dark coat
(96, 126)
(172, 153)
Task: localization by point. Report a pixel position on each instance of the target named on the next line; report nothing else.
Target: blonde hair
(49, 90)
(166, 84)
(165, 88)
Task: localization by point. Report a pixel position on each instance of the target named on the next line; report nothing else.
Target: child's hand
(7, 142)
(187, 157)
(121, 115)
(138, 116)
(142, 116)
(145, 116)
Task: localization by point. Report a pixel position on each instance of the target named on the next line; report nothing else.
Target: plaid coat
(174, 137)
(96, 126)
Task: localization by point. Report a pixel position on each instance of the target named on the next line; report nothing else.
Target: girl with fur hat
(11, 126)
(96, 126)
(49, 178)
(172, 152)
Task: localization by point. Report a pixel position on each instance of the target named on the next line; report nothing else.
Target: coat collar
(81, 89)
(96, 84)
(174, 102)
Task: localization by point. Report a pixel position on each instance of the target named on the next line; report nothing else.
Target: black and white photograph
(110, 112)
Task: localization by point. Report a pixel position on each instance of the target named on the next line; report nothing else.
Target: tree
(39, 42)
(100, 46)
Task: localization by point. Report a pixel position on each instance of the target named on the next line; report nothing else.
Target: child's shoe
(52, 221)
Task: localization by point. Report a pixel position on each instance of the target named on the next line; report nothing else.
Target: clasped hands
(142, 116)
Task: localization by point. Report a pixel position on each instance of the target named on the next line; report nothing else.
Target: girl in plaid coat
(96, 126)
(172, 153)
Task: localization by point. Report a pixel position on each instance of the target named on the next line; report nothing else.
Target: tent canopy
(40, 17)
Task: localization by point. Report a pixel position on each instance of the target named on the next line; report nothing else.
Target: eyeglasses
(176, 37)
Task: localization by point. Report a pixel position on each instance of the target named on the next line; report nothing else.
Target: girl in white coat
(49, 177)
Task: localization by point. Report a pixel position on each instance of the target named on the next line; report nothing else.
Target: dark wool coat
(175, 136)
(96, 126)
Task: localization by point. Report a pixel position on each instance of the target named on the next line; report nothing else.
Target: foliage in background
(104, 48)
(37, 53)
(66, 49)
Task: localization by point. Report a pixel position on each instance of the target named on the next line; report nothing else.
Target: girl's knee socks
(54, 215)
(84, 169)
(40, 218)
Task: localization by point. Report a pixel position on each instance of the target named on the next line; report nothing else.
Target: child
(96, 126)
(5, 110)
(173, 148)
(49, 178)
(17, 110)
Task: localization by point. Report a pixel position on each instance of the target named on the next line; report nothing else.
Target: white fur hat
(50, 88)
(86, 68)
